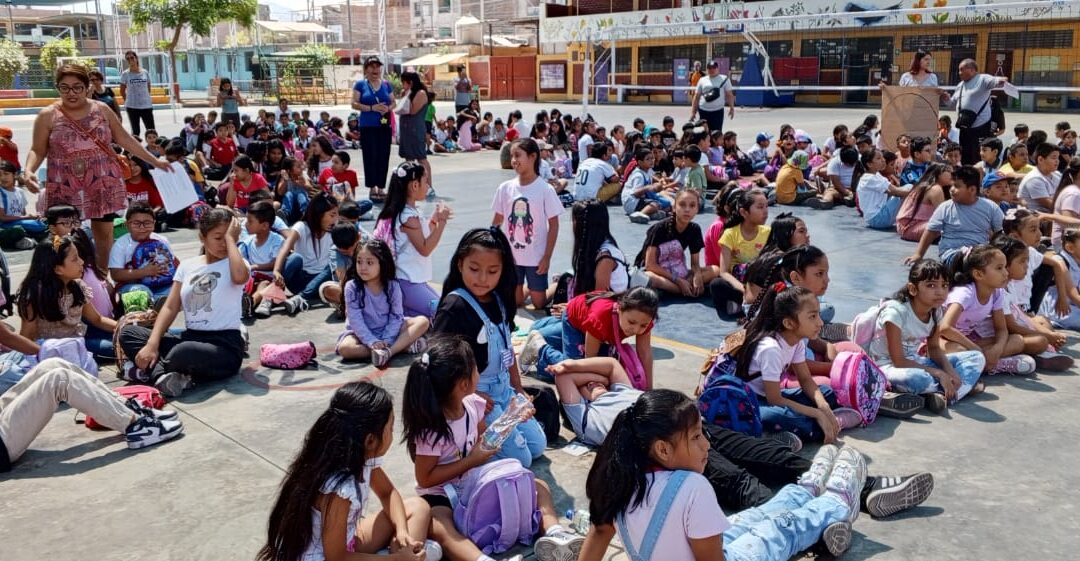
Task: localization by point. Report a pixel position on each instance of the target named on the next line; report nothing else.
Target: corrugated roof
(435, 59)
(292, 27)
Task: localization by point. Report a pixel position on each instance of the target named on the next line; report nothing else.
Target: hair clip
(56, 243)
(1010, 214)
(400, 172)
(965, 251)
(779, 287)
(425, 360)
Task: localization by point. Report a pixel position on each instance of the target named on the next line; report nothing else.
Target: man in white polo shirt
(711, 93)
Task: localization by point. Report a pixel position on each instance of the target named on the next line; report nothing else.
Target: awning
(292, 27)
(435, 59)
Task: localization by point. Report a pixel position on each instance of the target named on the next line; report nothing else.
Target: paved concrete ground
(1003, 461)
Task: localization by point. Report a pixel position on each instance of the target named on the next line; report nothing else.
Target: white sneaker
(379, 357)
(418, 346)
(433, 550)
(530, 353)
(173, 384)
(847, 479)
(295, 305)
(263, 309)
(639, 218)
(1016, 364)
(814, 478)
(560, 546)
(147, 431)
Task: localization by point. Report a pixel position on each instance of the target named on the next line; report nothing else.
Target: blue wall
(192, 76)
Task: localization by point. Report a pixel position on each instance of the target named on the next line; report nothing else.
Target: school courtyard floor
(1004, 462)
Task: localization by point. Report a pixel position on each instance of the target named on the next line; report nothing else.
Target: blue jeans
(154, 294)
(573, 341)
(967, 364)
(790, 522)
(528, 440)
(365, 206)
(549, 356)
(32, 226)
(885, 219)
(776, 418)
(551, 328)
(665, 204)
(293, 204)
(99, 342)
(301, 282)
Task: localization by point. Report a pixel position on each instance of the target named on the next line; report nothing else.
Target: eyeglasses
(64, 88)
(65, 223)
(141, 223)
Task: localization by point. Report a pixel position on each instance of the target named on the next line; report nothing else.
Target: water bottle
(579, 520)
(500, 430)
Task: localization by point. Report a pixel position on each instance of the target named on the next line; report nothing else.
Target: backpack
(154, 251)
(288, 356)
(628, 358)
(194, 213)
(858, 383)
(384, 231)
(547, 411)
(496, 506)
(864, 326)
(71, 349)
(143, 318)
(727, 400)
(148, 396)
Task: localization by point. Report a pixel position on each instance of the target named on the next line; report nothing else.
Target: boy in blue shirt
(260, 248)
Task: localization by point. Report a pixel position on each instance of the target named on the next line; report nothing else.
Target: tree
(12, 61)
(199, 15)
(55, 49)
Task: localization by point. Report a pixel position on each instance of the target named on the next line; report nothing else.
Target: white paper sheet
(175, 188)
(1011, 90)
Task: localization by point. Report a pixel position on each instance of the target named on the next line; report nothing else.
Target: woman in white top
(209, 289)
(920, 75)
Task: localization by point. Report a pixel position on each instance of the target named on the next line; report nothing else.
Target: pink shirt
(464, 431)
(526, 210)
(712, 243)
(975, 320)
(99, 294)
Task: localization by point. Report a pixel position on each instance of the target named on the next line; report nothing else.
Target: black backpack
(547, 411)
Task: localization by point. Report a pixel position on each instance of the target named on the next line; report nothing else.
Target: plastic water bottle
(500, 430)
(579, 520)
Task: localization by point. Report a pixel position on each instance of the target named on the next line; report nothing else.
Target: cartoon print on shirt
(202, 288)
(520, 217)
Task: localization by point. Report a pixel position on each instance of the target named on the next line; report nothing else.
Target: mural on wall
(800, 14)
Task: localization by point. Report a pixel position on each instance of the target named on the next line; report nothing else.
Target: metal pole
(586, 74)
(381, 7)
(11, 22)
(100, 26)
(348, 22)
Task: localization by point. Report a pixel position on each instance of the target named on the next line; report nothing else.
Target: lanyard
(465, 445)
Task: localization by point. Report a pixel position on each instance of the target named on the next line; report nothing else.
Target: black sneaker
(147, 431)
(901, 405)
(889, 495)
(247, 307)
(144, 411)
(818, 204)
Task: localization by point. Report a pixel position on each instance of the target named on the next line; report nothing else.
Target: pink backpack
(288, 356)
(628, 357)
(496, 506)
(148, 396)
(858, 383)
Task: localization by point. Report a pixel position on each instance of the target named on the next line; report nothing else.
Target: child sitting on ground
(345, 237)
(922, 154)
(260, 248)
(989, 155)
(16, 223)
(671, 254)
(244, 181)
(339, 180)
(642, 198)
(879, 201)
(744, 237)
(142, 259)
(964, 221)
(759, 154)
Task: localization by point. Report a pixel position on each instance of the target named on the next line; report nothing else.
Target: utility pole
(348, 35)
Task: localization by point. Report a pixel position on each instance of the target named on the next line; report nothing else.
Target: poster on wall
(910, 111)
(553, 76)
(681, 72)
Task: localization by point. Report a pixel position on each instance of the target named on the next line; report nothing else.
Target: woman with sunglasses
(76, 135)
(135, 89)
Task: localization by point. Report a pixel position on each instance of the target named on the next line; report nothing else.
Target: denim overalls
(529, 440)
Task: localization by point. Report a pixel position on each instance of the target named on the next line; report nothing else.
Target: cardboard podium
(908, 110)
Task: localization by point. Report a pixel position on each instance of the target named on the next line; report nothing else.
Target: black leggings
(147, 116)
(723, 293)
(203, 355)
(375, 145)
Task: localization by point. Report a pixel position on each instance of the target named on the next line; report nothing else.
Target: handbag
(966, 117)
(127, 167)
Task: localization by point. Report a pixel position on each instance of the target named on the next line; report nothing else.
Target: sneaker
(560, 546)
(639, 218)
(847, 479)
(788, 440)
(433, 551)
(173, 384)
(936, 402)
(900, 405)
(379, 357)
(530, 353)
(131, 373)
(263, 309)
(818, 204)
(1021, 365)
(849, 202)
(837, 538)
(835, 332)
(889, 495)
(295, 305)
(848, 418)
(247, 306)
(658, 215)
(1053, 361)
(418, 346)
(820, 467)
(322, 292)
(977, 389)
(24, 244)
(147, 431)
(144, 411)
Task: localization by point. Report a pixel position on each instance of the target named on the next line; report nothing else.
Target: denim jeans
(790, 522)
(32, 226)
(99, 342)
(293, 205)
(301, 282)
(776, 418)
(551, 328)
(549, 356)
(573, 341)
(885, 219)
(967, 364)
(665, 204)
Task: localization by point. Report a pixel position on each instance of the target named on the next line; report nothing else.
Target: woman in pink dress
(76, 135)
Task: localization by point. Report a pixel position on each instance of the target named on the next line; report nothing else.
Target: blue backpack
(154, 251)
(727, 400)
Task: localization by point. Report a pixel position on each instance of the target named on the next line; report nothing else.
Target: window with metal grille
(622, 59)
(659, 58)
(853, 54)
(736, 52)
(1055, 39)
(200, 63)
(913, 43)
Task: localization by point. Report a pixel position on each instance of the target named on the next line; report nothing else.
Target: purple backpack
(496, 506)
(288, 356)
(858, 384)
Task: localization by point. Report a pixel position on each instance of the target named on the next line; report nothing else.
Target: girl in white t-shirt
(776, 340)
(908, 323)
(646, 484)
(878, 200)
(412, 237)
(303, 263)
(320, 512)
(443, 419)
(209, 289)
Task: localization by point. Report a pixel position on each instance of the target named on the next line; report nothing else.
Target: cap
(713, 64)
(992, 178)
(372, 60)
(763, 136)
(802, 137)
(649, 131)
(6, 132)
(799, 159)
